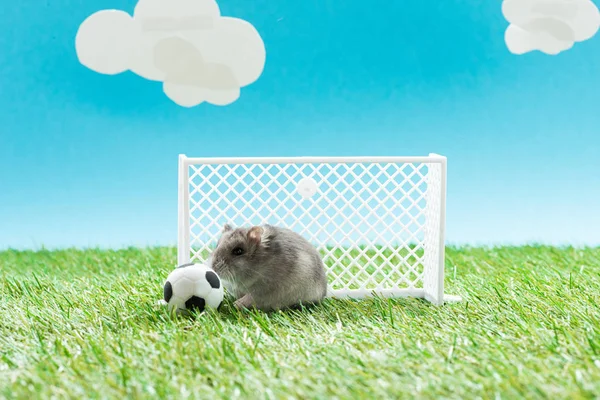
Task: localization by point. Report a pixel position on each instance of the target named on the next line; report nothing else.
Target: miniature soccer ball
(193, 287)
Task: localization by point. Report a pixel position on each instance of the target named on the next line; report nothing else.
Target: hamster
(269, 268)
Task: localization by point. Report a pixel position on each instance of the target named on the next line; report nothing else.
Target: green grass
(83, 324)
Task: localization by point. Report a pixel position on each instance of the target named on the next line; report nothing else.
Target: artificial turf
(84, 324)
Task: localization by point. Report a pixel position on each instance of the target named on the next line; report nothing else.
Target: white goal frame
(373, 258)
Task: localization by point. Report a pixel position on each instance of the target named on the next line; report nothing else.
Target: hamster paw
(243, 302)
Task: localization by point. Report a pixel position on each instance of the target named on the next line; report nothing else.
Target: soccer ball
(193, 287)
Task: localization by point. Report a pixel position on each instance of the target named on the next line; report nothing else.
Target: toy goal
(378, 222)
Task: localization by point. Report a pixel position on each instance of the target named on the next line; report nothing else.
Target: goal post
(378, 222)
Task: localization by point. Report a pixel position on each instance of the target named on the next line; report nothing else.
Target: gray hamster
(269, 268)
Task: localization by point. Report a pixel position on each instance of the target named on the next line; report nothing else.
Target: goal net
(378, 222)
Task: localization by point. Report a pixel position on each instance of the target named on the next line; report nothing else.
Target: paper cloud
(199, 55)
(549, 26)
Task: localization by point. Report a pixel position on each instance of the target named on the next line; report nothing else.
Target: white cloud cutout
(199, 55)
(549, 26)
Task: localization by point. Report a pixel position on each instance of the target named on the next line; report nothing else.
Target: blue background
(91, 160)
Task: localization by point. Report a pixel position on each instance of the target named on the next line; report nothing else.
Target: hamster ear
(255, 235)
(226, 228)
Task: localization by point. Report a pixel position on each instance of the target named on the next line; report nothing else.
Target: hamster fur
(269, 267)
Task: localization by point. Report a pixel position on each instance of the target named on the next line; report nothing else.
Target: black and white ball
(193, 287)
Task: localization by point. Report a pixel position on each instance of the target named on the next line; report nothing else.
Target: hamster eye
(238, 251)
